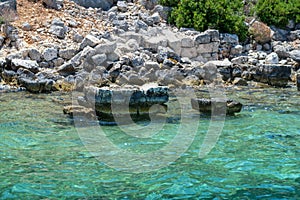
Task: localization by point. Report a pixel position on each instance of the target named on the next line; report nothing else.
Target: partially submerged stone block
(216, 106)
(127, 99)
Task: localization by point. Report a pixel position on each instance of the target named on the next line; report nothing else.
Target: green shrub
(278, 12)
(224, 15)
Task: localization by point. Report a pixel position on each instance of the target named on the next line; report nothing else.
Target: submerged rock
(217, 106)
(36, 86)
(127, 99)
(78, 110)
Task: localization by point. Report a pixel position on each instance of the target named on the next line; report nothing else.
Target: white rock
(89, 40)
(272, 58)
(187, 42)
(99, 59)
(49, 54)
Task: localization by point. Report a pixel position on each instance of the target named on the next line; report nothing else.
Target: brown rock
(260, 32)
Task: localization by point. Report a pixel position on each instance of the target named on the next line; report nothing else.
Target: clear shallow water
(256, 157)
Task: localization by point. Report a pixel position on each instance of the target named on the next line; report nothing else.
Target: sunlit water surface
(256, 157)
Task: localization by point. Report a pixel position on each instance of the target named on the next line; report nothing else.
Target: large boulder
(58, 28)
(26, 64)
(261, 32)
(149, 4)
(136, 99)
(216, 106)
(51, 4)
(295, 55)
(8, 4)
(103, 4)
(36, 85)
(272, 74)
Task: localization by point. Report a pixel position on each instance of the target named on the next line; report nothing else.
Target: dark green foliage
(278, 12)
(224, 15)
(2, 21)
(171, 3)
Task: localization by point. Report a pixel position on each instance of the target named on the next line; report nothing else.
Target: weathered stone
(261, 32)
(58, 31)
(148, 4)
(281, 51)
(239, 82)
(216, 106)
(240, 60)
(34, 54)
(229, 38)
(298, 81)
(151, 65)
(226, 73)
(169, 63)
(134, 79)
(211, 71)
(187, 42)
(214, 35)
(295, 55)
(155, 42)
(25, 73)
(8, 75)
(76, 110)
(26, 64)
(77, 38)
(49, 54)
(137, 61)
(122, 6)
(1, 40)
(266, 47)
(103, 4)
(294, 35)
(203, 38)
(189, 52)
(208, 48)
(162, 10)
(89, 40)
(112, 56)
(26, 26)
(67, 53)
(272, 74)
(272, 58)
(221, 63)
(279, 34)
(50, 4)
(36, 86)
(139, 24)
(155, 18)
(58, 62)
(10, 32)
(108, 47)
(66, 69)
(9, 4)
(236, 50)
(99, 59)
(121, 100)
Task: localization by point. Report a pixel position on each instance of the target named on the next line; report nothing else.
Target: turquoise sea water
(256, 157)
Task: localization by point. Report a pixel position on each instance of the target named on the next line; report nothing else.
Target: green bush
(278, 12)
(224, 15)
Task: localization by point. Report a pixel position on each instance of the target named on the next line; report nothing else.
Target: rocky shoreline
(129, 43)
